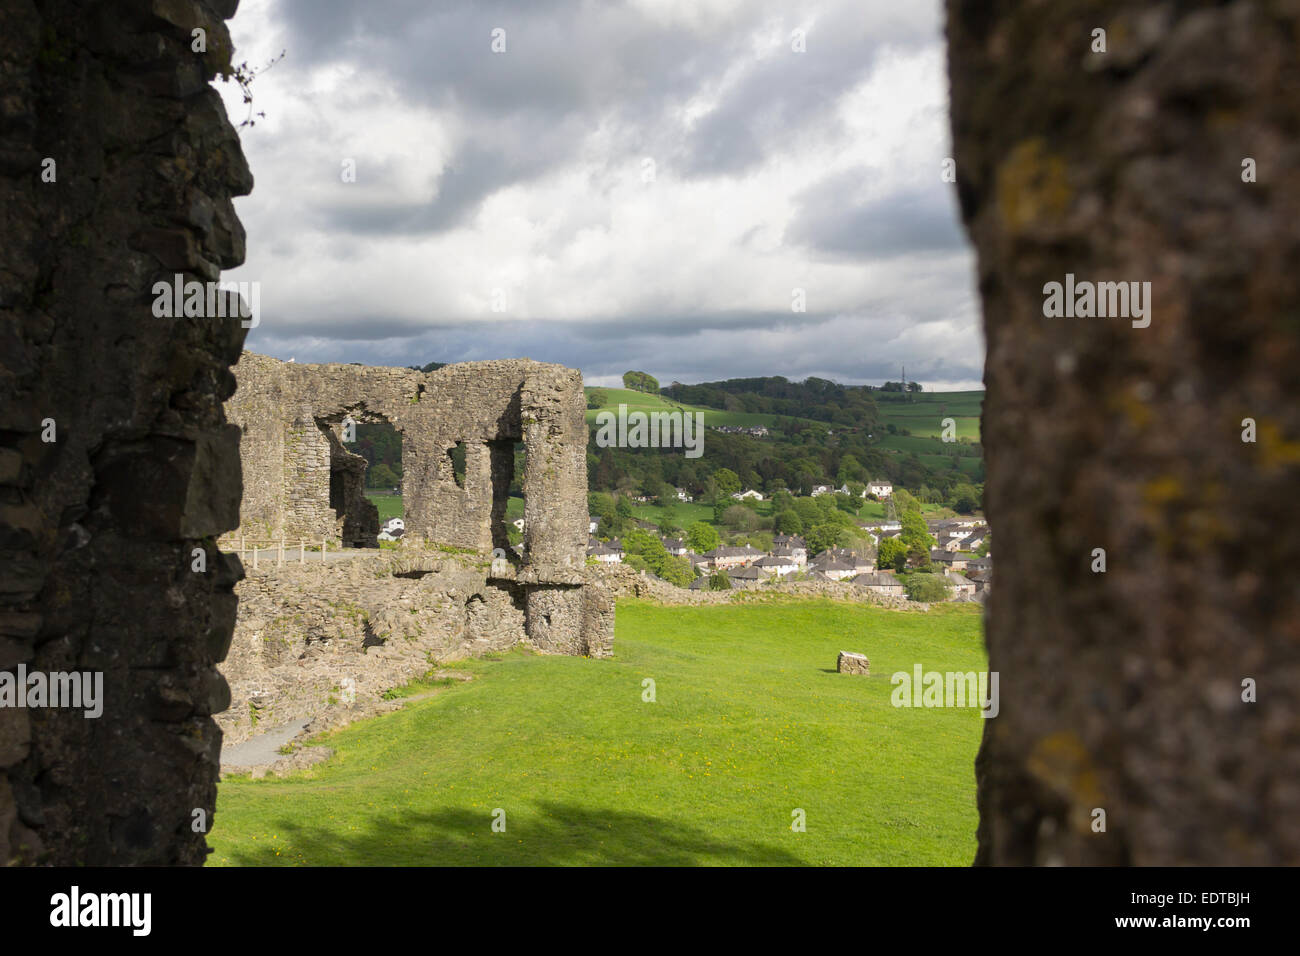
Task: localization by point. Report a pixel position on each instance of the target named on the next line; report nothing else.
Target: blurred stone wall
(1168, 159)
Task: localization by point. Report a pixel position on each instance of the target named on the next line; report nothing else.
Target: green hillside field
(923, 412)
(749, 725)
(644, 402)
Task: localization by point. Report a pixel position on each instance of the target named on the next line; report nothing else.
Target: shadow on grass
(565, 835)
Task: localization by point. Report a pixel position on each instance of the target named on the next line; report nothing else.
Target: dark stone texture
(1123, 690)
(98, 527)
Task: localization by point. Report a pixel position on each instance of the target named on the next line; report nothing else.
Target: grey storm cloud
(568, 67)
(913, 220)
(572, 69)
(793, 346)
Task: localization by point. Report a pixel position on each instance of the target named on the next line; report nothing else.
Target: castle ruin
(300, 481)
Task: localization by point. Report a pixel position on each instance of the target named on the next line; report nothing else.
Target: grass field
(643, 402)
(924, 415)
(390, 506)
(750, 723)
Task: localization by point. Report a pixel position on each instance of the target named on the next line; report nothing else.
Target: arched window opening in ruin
(358, 442)
(456, 456)
(380, 443)
(509, 458)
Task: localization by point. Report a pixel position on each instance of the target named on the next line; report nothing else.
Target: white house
(961, 586)
(881, 489)
(833, 567)
(880, 582)
(748, 493)
(605, 554)
(777, 565)
(821, 490)
(725, 558)
(675, 546)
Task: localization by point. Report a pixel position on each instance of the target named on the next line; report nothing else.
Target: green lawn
(750, 723)
(390, 506)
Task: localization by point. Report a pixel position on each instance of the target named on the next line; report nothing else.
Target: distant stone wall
(301, 482)
(1123, 691)
(625, 581)
(100, 517)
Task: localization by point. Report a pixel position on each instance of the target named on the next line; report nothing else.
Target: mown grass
(389, 506)
(749, 724)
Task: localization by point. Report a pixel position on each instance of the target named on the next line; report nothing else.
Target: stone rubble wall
(624, 581)
(378, 621)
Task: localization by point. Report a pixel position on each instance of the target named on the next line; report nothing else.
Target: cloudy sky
(641, 184)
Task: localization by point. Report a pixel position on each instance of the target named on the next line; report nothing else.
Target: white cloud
(454, 200)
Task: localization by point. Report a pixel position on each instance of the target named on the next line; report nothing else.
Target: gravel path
(262, 750)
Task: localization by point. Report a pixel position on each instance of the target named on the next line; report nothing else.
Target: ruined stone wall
(488, 406)
(1122, 691)
(376, 621)
(116, 461)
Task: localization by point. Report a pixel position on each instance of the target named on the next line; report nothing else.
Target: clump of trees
(925, 587)
(641, 382)
(644, 551)
(702, 536)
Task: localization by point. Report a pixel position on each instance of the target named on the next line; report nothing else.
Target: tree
(597, 398)
(667, 511)
(702, 536)
(965, 499)
(850, 470)
(915, 536)
(600, 505)
(726, 483)
(788, 522)
(926, 587)
(904, 502)
(381, 476)
(641, 382)
(677, 571)
(823, 536)
(892, 553)
(740, 518)
(644, 551)
(807, 510)
(718, 581)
